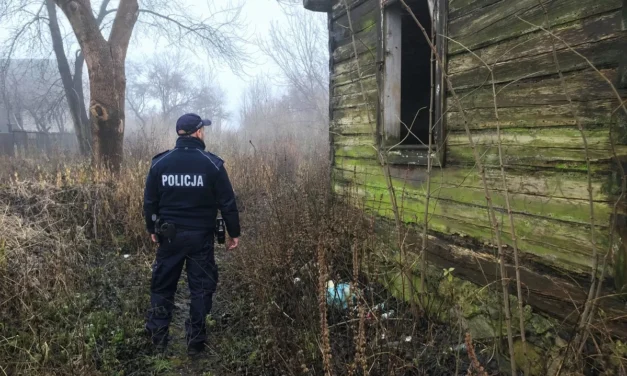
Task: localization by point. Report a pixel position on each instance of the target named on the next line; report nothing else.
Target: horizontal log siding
(543, 149)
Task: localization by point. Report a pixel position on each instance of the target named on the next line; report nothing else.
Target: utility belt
(166, 230)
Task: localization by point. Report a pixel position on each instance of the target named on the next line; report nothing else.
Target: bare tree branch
(122, 29)
(220, 35)
(175, 85)
(298, 49)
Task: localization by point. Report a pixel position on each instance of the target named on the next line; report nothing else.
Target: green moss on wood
(350, 116)
(551, 208)
(459, 8)
(605, 53)
(620, 262)
(554, 137)
(558, 243)
(588, 30)
(502, 23)
(590, 113)
(545, 184)
(366, 41)
(369, 84)
(583, 86)
(531, 360)
(559, 158)
(346, 72)
(369, 22)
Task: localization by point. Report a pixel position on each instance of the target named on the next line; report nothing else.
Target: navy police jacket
(187, 186)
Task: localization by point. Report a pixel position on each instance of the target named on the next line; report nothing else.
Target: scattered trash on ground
(461, 347)
(338, 295)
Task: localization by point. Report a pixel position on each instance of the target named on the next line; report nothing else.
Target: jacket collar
(190, 142)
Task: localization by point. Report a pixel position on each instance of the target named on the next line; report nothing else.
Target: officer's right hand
(232, 244)
(154, 238)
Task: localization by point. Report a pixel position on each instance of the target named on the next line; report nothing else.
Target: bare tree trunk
(106, 107)
(73, 96)
(78, 90)
(107, 79)
(40, 123)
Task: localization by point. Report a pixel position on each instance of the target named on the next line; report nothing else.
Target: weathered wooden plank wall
(543, 148)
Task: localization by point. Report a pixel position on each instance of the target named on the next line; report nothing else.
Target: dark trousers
(195, 250)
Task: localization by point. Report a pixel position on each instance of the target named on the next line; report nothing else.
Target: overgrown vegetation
(76, 267)
(75, 258)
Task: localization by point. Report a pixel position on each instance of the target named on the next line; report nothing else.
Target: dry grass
(71, 303)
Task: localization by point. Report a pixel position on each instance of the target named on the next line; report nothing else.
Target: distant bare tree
(266, 114)
(219, 36)
(168, 85)
(299, 106)
(59, 117)
(137, 96)
(299, 49)
(169, 82)
(32, 91)
(72, 80)
(209, 100)
(257, 105)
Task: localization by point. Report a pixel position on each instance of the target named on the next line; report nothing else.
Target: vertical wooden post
(12, 134)
(620, 220)
(440, 20)
(622, 69)
(392, 74)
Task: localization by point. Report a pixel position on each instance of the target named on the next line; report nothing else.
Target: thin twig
(381, 158)
(510, 215)
(508, 207)
(623, 103)
(425, 231)
(583, 323)
(491, 210)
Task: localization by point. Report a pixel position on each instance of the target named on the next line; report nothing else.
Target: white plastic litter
(378, 307)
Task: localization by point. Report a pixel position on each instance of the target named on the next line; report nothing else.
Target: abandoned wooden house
(518, 71)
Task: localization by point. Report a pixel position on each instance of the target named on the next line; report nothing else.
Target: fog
(228, 79)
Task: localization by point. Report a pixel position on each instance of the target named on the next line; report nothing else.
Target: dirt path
(224, 341)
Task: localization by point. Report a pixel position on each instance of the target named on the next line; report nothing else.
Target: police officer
(185, 188)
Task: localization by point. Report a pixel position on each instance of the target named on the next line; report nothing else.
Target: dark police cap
(190, 123)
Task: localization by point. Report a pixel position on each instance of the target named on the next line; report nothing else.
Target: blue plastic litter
(338, 296)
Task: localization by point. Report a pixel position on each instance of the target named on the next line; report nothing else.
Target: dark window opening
(415, 74)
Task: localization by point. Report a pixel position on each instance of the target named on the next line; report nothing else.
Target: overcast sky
(257, 15)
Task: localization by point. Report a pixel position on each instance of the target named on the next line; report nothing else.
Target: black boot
(195, 349)
(160, 345)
